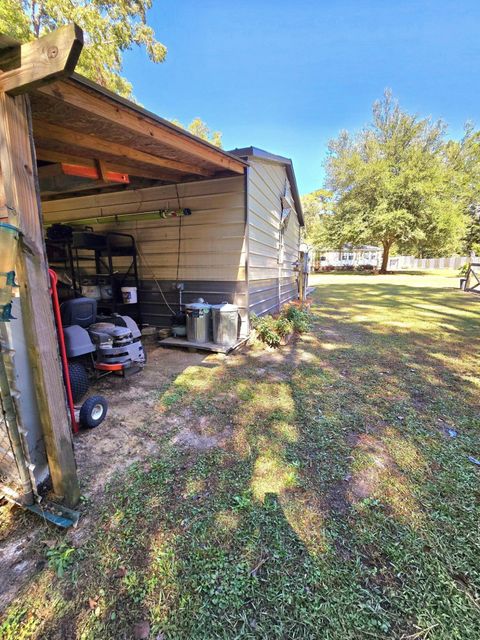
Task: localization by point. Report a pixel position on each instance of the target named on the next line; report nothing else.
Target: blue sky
(287, 76)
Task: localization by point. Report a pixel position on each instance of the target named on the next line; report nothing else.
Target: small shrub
(364, 267)
(272, 330)
(299, 319)
(254, 320)
(60, 558)
(267, 331)
(283, 326)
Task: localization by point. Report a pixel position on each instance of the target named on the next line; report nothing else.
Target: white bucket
(129, 295)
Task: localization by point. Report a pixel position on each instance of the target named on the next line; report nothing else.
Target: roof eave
(76, 77)
(255, 152)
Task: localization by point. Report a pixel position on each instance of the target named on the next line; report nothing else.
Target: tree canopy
(110, 27)
(464, 156)
(394, 184)
(200, 129)
(317, 212)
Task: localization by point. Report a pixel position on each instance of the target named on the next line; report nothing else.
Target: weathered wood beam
(81, 171)
(18, 174)
(106, 108)
(43, 60)
(47, 131)
(54, 186)
(132, 169)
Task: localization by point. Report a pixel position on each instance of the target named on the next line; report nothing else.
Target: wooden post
(24, 67)
(301, 276)
(18, 166)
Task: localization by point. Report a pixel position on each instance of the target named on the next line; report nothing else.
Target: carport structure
(62, 136)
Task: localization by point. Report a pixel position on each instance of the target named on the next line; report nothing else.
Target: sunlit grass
(338, 507)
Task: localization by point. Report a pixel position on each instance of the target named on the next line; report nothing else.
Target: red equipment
(63, 351)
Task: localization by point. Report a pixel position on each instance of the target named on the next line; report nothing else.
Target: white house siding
(271, 280)
(206, 251)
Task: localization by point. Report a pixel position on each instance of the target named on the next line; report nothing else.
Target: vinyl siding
(264, 294)
(211, 240)
(271, 282)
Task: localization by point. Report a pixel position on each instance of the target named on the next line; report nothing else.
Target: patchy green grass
(330, 502)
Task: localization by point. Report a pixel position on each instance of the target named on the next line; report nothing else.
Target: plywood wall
(209, 245)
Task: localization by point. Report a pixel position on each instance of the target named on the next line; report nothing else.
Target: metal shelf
(118, 245)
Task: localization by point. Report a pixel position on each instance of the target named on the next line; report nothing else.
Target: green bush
(299, 318)
(271, 330)
(283, 326)
(267, 331)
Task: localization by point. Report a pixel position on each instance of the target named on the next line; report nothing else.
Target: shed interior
(106, 163)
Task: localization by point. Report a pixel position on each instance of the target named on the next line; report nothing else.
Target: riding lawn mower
(103, 344)
(93, 346)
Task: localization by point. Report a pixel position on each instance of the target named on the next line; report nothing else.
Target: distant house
(348, 256)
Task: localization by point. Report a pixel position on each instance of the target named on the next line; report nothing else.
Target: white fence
(410, 262)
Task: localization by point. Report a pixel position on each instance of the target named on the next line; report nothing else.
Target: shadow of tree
(322, 496)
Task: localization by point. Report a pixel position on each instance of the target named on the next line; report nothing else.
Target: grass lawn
(310, 492)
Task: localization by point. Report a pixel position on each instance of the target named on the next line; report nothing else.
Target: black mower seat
(79, 311)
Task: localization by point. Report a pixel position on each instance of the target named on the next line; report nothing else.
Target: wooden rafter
(48, 131)
(73, 94)
(81, 171)
(32, 64)
(49, 155)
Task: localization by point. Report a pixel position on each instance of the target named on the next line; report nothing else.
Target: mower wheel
(78, 380)
(93, 411)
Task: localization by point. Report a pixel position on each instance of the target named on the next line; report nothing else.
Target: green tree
(200, 129)
(317, 214)
(110, 28)
(393, 184)
(464, 157)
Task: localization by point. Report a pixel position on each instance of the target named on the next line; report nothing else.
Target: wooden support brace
(131, 169)
(18, 174)
(48, 131)
(167, 134)
(35, 63)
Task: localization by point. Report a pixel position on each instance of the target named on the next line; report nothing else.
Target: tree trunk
(386, 253)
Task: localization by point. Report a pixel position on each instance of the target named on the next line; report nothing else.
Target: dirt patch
(364, 482)
(129, 434)
(21, 558)
(202, 433)
(134, 422)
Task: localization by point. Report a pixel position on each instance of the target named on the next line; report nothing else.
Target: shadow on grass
(310, 492)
